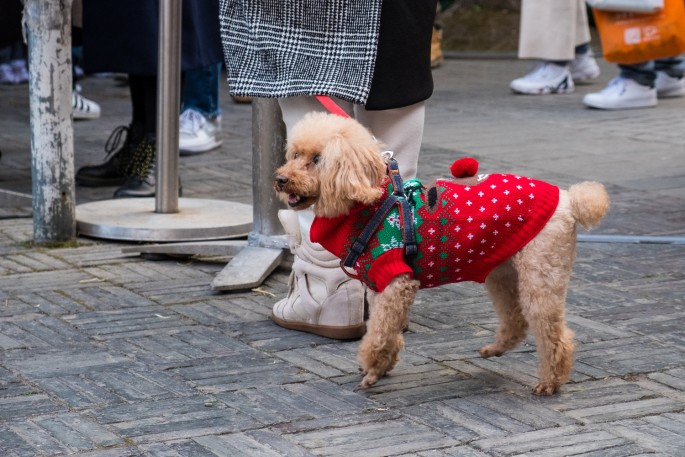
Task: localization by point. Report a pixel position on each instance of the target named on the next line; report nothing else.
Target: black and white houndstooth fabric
(284, 48)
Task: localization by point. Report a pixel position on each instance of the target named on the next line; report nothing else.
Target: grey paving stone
(37, 331)
(326, 361)
(43, 280)
(25, 439)
(631, 355)
(269, 445)
(673, 378)
(115, 386)
(224, 310)
(172, 419)
(291, 402)
(551, 442)
(394, 437)
(73, 360)
(662, 433)
(99, 295)
(51, 302)
(129, 322)
(21, 403)
(239, 372)
(177, 349)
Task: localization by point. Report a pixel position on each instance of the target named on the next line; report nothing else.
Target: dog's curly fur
(334, 163)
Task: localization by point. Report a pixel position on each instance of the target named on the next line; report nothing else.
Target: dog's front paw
(545, 389)
(370, 378)
(491, 350)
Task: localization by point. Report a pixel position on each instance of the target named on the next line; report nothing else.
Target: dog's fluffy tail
(589, 203)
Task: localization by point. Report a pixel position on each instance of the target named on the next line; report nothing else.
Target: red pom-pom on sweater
(465, 167)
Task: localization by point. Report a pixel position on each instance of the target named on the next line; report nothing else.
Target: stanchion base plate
(135, 219)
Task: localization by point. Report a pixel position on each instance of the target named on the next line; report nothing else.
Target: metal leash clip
(387, 156)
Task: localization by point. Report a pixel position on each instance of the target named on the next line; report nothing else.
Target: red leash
(331, 106)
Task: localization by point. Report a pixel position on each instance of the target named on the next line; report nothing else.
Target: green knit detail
(389, 235)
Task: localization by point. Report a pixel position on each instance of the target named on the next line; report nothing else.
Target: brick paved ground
(108, 354)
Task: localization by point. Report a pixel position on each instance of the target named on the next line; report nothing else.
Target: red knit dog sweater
(464, 227)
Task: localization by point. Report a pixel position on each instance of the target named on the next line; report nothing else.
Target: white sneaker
(584, 67)
(84, 108)
(546, 78)
(198, 134)
(622, 93)
(669, 86)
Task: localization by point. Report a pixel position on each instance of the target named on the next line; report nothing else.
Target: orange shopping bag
(635, 37)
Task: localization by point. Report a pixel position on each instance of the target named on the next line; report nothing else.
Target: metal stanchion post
(168, 105)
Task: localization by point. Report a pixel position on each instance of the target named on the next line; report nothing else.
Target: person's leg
(321, 298)
(201, 90)
(113, 171)
(200, 121)
(548, 30)
(633, 88)
(401, 130)
(140, 168)
(583, 67)
(554, 46)
(642, 73)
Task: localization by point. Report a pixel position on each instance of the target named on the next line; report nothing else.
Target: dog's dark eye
(316, 159)
(295, 156)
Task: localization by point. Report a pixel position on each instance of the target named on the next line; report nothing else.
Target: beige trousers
(551, 29)
(399, 129)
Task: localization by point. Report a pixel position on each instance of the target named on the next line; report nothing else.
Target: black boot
(142, 179)
(140, 170)
(112, 172)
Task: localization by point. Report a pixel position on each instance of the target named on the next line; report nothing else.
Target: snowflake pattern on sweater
(463, 231)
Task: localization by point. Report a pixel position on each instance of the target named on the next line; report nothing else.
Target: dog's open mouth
(295, 200)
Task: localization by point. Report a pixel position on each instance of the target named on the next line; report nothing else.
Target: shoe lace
(616, 84)
(112, 143)
(191, 121)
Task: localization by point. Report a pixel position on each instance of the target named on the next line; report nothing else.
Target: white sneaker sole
(200, 148)
(598, 104)
(671, 93)
(86, 115)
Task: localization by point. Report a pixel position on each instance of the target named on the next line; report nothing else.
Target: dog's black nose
(281, 180)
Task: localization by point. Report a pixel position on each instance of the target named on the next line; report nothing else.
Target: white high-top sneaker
(622, 93)
(321, 298)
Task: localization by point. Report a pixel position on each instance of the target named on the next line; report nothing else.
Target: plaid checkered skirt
(285, 48)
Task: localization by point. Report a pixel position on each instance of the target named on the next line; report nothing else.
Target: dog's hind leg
(380, 347)
(544, 268)
(502, 286)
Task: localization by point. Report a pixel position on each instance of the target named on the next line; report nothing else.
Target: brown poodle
(335, 165)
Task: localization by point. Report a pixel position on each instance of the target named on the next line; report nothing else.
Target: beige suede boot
(321, 299)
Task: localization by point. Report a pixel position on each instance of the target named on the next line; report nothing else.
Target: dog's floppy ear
(351, 172)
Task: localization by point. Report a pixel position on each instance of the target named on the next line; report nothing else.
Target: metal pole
(168, 105)
(48, 29)
(631, 239)
(268, 146)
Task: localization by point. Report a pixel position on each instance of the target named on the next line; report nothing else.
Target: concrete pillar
(48, 32)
